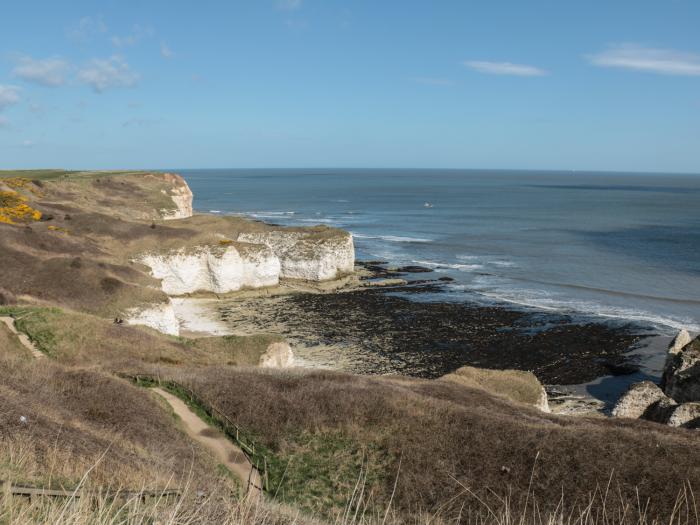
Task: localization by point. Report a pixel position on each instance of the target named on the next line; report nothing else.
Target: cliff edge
(119, 244)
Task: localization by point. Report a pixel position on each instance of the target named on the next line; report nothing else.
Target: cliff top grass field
(331, 447)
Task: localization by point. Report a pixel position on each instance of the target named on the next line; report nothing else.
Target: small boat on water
(427, 205)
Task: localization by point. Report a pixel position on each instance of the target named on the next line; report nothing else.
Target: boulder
(642, 398)
(681, 377)
(681, 339)
(686, 415)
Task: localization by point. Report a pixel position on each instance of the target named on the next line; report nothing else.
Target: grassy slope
(79, 419)
(322, 427)
(75, 338)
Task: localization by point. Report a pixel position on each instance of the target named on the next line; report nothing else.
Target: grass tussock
(603, 507)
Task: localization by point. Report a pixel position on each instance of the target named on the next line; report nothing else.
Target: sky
(558, 85)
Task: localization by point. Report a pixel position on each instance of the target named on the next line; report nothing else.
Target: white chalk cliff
(181, 195)
(217, 269)
(255, 259)
(159, 316)
(307, 257)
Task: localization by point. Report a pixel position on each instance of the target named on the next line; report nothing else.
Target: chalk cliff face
(160, 317)
(217, 269)
(277, 355)
(307, 257)
(181, 194)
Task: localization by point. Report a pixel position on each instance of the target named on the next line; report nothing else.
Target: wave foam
(390, 238)
(454, 266)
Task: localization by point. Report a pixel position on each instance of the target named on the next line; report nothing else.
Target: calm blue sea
(619, 246)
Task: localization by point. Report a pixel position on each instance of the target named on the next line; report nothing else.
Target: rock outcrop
(160, 317)
(515, 385)
(219, 269)
(181, 195)
(677, 401)
(641, 398)
(681, 339)
(308, 256)
(681, 378)
(686, 415)
(277, 355)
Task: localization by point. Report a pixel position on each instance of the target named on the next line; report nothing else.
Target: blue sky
(597, 85)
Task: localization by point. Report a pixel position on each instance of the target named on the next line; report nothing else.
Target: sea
(609, 246)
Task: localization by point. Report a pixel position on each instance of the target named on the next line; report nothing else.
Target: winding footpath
(225, 451)
(26, 342)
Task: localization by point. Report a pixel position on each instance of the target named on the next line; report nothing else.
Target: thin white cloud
(504, 68)
(165, 51)
(112, 72)
(137, 34)
(9, 95)
(646, 59)
(141, 122)
(27, 143)
(47, 71)
(289, 5)
(4, 123)
(86, 28)
(432, 81)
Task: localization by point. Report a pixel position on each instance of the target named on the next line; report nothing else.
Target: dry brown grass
(445, 437)
(55, 423)
(11, 345)
(515, 385)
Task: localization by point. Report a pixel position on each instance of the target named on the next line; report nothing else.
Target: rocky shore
(377, 326)
(676, 400)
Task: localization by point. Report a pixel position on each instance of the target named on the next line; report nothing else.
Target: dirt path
(10, 322)
(225, 451)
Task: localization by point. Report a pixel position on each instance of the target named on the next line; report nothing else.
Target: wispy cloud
(4, 123)
(504, 68)
(47, 71)
(141, 122)
(289, 5)
(432, 81)
(138, 33)
(165, 51)
(86, 28)
(112, 72)
(651, 60)
(9, 95)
